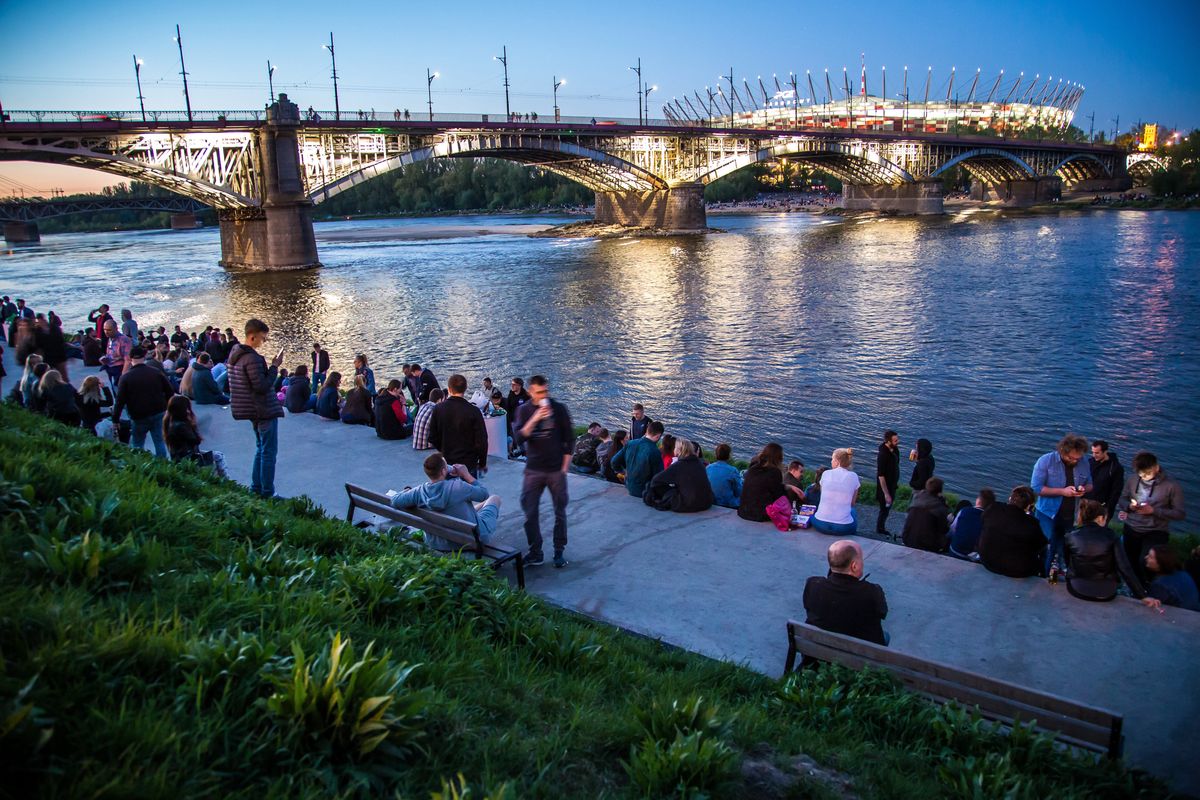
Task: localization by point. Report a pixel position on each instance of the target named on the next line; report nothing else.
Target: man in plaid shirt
(421, 421)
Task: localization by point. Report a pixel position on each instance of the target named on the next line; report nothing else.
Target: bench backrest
(452, 529)
(1076, 724)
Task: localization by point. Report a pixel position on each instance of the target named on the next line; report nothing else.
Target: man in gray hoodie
(452, 491)
(1149, 503)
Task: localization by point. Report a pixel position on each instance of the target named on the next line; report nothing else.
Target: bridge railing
(132, 116)
(382, 117)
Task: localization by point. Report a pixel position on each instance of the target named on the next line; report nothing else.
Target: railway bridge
(263, 171)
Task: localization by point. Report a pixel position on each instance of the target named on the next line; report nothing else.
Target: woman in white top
(839, 492)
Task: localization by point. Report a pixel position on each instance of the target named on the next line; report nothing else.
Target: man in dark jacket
(543, 426)
(320, 364)
(1108, 477)
(299, 398)
(843, 602)
(1011, 542)
(927, 526)
(1096, 562)
(639, 422)
(144, 392)
(887, 478)
(923, 471)
(391, 415)
(252, 395)
(216, 350)
(457, 430)
(1150, 501)
(583, 459)
(640, 459)
(682, 487)
(517, 397)
(429, 381)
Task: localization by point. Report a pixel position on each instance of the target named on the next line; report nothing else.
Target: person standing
(100, 318)
(887, 477)
(252, 396)
(412, 382)
(144, 391)
(843, 601)
(129, 325)
(543, 426)
(429, 382)
(1108, 477)
(1148, 503)
(116, 357)
(48, 340)
(456, 429)
(922, 454)
(638, 422)
(1059, 479)
(320, 364)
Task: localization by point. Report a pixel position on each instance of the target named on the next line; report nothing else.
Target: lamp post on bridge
(503, 59)
(337, 108)
(271, 79)
(557, 83)
(137, 74)
(429, 90)
(638, 71)
(646, 99)
(183, 71)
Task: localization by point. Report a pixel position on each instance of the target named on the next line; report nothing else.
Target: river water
(991, 334)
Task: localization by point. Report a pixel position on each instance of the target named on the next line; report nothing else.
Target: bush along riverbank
(167, 635)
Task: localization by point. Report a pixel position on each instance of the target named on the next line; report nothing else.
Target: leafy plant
(457, 788)
(24, 729)
(561, 646)
(686, 767)
(664, 722)
(90, 560)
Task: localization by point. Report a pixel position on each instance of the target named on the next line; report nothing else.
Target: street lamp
(271, 79)
(503, 59)
(646, 97)
(557, 83)
(183, 71)
(137, 74)
(429, 89)
(337, 108)
(638, 70)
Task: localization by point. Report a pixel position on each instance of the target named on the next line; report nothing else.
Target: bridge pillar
(1019, 194)
(679, 208)
(921, 197)
(21, 232)
(1103, 185)
(183, 222)
(279, 235)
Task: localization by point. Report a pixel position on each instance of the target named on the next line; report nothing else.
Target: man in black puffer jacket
(252, 396)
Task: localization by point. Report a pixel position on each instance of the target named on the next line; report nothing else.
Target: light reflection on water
(990, 335)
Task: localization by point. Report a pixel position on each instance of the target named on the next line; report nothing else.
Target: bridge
(264, 171)
(20, 217)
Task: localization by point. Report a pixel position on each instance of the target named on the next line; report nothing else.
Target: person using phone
(1059, 479)
(252, 396)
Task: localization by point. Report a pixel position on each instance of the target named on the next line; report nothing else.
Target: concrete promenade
(718, 585)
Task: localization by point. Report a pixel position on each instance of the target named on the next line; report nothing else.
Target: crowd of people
(1056, 526)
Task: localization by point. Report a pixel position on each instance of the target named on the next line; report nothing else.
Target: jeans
(1055, 535)
(153, 426)
(114, 376)
(531, 496)
(884, 509)
(318, 380)
(266, 446)
(836, 528)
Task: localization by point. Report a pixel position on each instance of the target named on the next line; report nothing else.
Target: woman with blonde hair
(682, 487)
(839, 492)
(59, 399)
(93, 398)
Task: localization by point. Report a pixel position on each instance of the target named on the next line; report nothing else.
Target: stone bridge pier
(279, 234)
(919, 197)
(1019, 194)
(678, 208)
(21, 232)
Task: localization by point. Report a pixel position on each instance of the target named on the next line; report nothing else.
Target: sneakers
(534, 560)
(560, 561)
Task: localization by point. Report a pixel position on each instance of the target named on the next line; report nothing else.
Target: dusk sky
(1138, 61)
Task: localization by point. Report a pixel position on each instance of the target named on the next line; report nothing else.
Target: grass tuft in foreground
(164, 634)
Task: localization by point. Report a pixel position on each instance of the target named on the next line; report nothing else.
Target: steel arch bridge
(34, 210)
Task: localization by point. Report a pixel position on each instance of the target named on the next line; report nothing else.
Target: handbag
(780, 513)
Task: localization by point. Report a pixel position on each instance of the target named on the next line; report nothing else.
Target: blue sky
(74, 55)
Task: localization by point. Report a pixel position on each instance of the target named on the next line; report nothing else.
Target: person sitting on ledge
(640, 459)
(839, 492)
(762, 484)
(968, 522)
(927, 526)
(329, 400)
(299, 397)
(793, 482)
(452, 491)
(423, 418)
(724, 478)
(1096, 563)
(357, 408)
(1172, 586)
(1011, 541)
(666, 446)
(812, 494)
(682, 487)
(391, 414)
(605, 455)
(843, 602)
(204, 388)
(583, 458)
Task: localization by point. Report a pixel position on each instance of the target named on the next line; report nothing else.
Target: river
(991, 334)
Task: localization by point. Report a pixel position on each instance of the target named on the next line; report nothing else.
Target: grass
(167, 635)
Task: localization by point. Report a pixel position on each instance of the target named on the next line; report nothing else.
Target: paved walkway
(718, 585)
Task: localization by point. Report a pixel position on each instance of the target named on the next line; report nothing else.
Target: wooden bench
(463, 535)
(1072, 723)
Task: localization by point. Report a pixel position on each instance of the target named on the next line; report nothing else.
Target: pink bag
(780, 512)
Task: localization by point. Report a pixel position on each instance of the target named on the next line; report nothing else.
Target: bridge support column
(21, 232)
(278, 235)
(679, 208)
(183, 222)
(1103, 185)
(1019, 194)
(921, 197)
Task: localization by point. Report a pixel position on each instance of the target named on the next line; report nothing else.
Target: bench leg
(791, 659)
(520, 563)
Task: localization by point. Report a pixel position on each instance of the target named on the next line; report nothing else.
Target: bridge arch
(1142, 165)
(597, 170)
(1081, 167)
(848, 162)
(989, 164)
